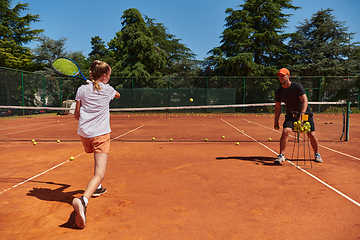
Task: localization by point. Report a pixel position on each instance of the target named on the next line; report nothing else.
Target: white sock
(99, 186)
(85, 200)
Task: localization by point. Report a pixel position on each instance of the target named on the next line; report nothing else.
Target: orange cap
(283, 71)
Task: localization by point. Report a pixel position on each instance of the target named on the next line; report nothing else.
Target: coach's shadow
(268, 161)
(58, 195)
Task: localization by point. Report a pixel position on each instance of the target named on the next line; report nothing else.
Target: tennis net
(224, 123)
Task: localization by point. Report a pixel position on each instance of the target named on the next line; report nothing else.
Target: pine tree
(323, 47)
(179, 58)
(138, 55)
(14, 33)
(252, 43)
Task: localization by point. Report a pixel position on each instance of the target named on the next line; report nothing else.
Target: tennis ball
(71, 158)
(270, 139)
(170, 139)
(33, 140)
(35, 143)
(237, 143)
(58, 141)
(191, 100)
(223, 137)
(153, 138)
(205, 139)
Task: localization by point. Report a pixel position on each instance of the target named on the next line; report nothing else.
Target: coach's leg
(284, 139)
(283, 143)
(314, 141)
(315, 145)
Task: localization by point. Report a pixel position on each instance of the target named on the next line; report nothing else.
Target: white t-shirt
(94, 111)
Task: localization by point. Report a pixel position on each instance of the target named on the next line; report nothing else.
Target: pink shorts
(99, 144)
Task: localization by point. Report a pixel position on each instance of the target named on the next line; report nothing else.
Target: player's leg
(99, 174)
(100, 146)
(80, 204)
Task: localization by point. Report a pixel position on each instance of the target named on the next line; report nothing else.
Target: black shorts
(290, 119)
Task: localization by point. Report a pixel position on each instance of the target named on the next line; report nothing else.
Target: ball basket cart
(301, 153)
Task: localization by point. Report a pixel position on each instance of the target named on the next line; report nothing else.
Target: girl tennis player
(92, 111)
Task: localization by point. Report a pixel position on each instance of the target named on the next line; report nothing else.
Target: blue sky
(198, 23)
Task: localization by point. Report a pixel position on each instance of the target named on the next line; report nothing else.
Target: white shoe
(318, 158)
(80, 209)
(280, 159)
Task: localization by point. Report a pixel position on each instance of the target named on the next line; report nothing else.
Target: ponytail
(97, 69)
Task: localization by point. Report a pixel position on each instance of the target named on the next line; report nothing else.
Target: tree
(14, 33)
(48, 49)
(179, 58)
(100, 51)
(252, 43)
(323, 47)
(138, 55)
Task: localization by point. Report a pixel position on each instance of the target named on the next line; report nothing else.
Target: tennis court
(187, 188)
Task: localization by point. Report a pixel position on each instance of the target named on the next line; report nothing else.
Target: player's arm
(117, 94)
(304, 100)
(277, 114)
(77, 110)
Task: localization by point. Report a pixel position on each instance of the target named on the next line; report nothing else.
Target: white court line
(316, 178)
(27, 130)
(128, 132)
(27, 180)
(340, 153)
(330, 149)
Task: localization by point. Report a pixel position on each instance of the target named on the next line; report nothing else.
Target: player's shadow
(268, 161)
(57, 195)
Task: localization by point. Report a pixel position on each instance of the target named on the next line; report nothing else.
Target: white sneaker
(280, 159)
(80, 209)
(318, 158)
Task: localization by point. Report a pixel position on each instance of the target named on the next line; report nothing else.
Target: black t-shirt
(290, 96)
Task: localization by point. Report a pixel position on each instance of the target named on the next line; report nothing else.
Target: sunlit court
(178, 175)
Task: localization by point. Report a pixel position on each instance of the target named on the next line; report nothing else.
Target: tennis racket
(67, 67)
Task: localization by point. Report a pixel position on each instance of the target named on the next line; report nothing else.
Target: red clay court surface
(183, 190)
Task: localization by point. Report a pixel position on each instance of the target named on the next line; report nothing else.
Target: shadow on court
(57, 195)
(268, 161)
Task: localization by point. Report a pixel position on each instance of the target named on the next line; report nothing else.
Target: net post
(60, 93)
(358, 100)
(319, 92)
(44, 90)
(347, 122)
(22, 90)
(244, 92)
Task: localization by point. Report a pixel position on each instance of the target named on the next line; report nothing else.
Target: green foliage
(323, 47)
(252, 42)
(100, 51)
(138, 55)
(14, 33)
(48, 49)
(179, 58)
